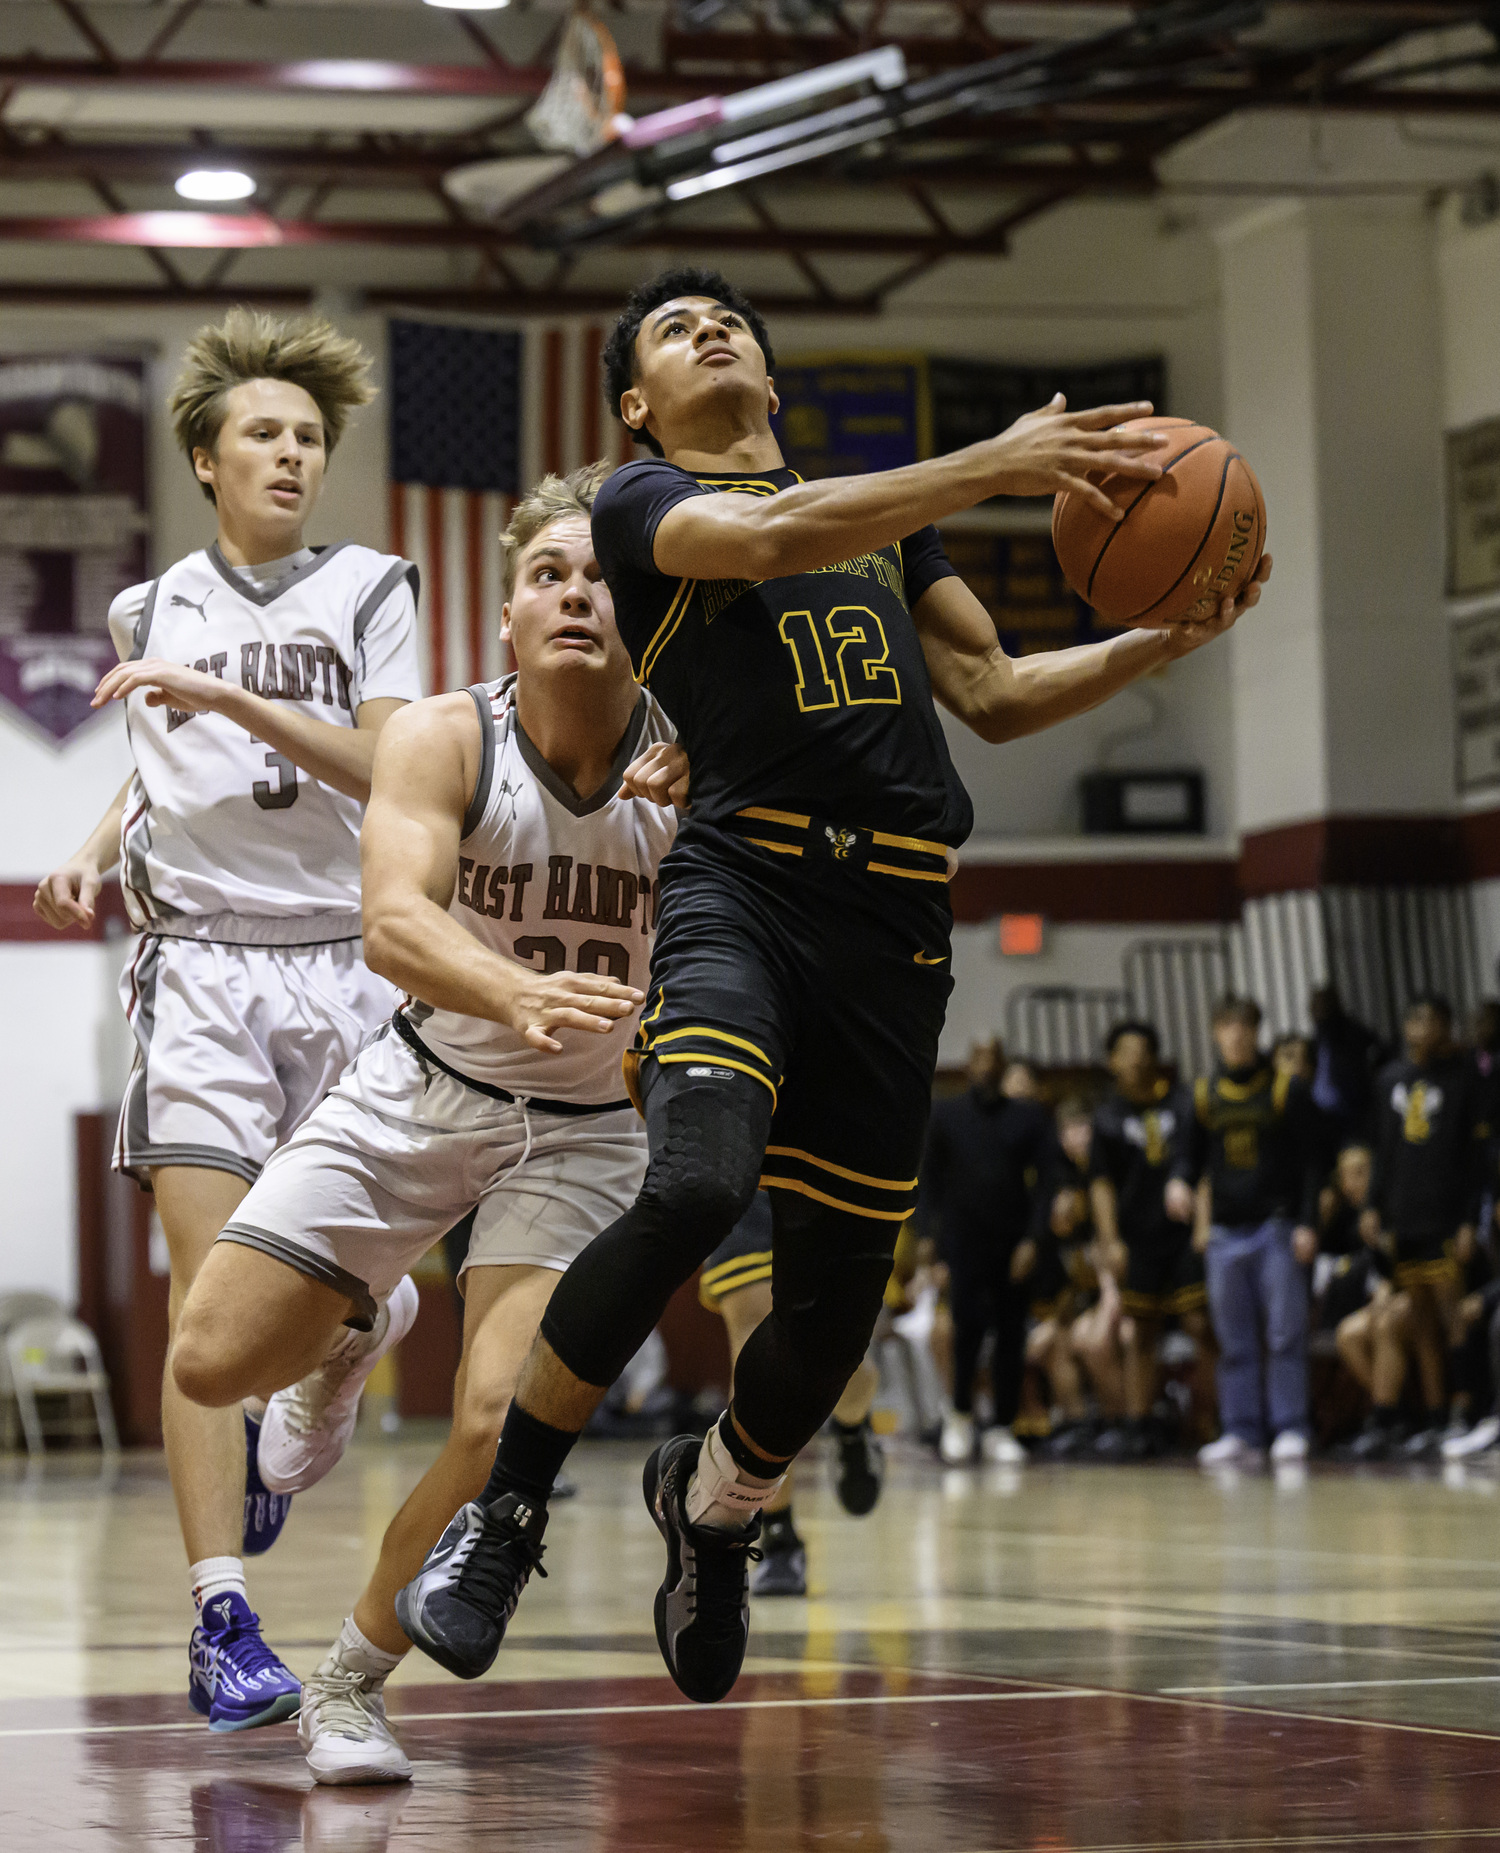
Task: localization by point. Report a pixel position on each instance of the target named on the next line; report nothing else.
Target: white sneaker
(1480, 1439)
(308, 1426)
(1289, 1445)
(343, 1728)
(957, 1444)
(1228, 1451)
(1000, 1446)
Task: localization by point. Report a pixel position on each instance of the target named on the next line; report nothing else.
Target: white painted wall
(1092, 282)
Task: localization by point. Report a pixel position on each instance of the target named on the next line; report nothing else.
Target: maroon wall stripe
(1099, 893)
(1371, 852)
(19, 923)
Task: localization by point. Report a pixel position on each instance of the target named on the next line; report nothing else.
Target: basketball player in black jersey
(796, 634)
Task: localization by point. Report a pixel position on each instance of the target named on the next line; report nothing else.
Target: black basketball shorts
(828, 987)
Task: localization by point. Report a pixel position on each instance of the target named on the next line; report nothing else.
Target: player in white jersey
(256, 676)
(509, 884)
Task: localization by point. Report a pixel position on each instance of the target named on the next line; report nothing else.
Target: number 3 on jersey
(858, 649)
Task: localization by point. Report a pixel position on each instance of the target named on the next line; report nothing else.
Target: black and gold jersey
(1432, 1147)
(805, 694)
(1135, 1143)
(1254, 1134)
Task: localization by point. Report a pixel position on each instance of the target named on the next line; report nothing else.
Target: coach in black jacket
(984, 1155)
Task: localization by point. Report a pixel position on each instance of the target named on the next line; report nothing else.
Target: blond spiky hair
(332, 369)
(553, 498)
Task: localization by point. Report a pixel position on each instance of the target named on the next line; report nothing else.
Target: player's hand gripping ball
(1188, 540)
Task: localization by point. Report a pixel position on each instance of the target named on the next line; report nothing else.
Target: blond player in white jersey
(256, 676)
(509, 885)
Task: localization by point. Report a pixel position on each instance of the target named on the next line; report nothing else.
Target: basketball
(1188, 540)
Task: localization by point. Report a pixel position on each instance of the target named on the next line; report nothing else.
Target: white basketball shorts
(235, 1046)
(399, 1152)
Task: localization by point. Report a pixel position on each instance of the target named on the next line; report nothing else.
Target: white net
(576, 112)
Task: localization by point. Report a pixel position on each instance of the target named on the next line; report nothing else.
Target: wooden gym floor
(1062, 1658)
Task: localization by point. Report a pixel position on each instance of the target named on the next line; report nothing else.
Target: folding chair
(56, 1356)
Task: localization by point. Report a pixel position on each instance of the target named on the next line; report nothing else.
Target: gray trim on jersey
(135, 1129)
(303, 573)
(559, 787)
(137, 846)
(315, 1267)
(474, 815)
(143, 624)
(403, 569)
(146, 1158)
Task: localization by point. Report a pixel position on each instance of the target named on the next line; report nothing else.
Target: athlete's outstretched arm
(425, 771)
(731, 536)
(1001, 697)
(339, 756)
(66, 897)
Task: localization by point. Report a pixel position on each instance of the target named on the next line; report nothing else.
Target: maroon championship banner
(73, 526)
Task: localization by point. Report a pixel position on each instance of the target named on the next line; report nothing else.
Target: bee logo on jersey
(841, 842)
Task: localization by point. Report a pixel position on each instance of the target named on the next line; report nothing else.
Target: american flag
(477, 415)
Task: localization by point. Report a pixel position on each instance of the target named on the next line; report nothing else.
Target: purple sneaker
(234, 1680)
(265, 1511)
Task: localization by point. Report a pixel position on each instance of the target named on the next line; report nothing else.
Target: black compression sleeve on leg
(707, 1135)
(830, 1271)
(529, 1458)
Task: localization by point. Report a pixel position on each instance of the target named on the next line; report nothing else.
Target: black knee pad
(707, 1132)
(707, 1135)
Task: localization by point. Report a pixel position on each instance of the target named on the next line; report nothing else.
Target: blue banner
(849, 414)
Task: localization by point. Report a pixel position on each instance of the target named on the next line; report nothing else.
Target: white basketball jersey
(560, 882)
(222, 838)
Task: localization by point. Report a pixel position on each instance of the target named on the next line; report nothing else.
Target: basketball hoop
(576, 113)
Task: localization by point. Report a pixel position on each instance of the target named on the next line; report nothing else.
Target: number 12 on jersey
(855, 645)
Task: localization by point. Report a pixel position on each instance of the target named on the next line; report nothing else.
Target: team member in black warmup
(1431, 1149)
(1137, 1129)
(800, 970)
(985, 1153)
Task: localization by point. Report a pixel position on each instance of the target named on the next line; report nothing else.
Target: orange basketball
(1188, 540)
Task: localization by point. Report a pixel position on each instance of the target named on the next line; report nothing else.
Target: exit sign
(1022, 935)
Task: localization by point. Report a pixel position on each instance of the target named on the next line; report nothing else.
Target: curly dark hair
(1134, 1026)
(684, 280)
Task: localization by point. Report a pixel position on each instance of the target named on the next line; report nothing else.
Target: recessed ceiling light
(470, 6)
(215, 183)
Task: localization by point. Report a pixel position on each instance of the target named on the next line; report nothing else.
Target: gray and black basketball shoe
(782, 1570)
(861, 1467)
(458, 1605)
(703, 1605)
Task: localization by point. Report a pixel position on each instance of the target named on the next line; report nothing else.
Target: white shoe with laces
(1228, 1451)
(1000, 1447)
(1289, 1445)
(343, 1730)
(957, 1443)
(308, 1426)
(1481, 1438)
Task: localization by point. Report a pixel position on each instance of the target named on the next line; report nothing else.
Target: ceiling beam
(209, 231)
(508, 302)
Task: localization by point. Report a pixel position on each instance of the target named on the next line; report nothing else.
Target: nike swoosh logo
(921, 958)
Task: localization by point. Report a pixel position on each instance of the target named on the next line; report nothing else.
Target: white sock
(356, 1651)
(721, 1494)
(217, 1576)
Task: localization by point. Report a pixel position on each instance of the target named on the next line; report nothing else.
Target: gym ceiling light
(215, 183)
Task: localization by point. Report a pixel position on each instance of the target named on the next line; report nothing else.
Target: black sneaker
(782, 1570)
(703, 1605)
(861, 1469)
(456, 1608)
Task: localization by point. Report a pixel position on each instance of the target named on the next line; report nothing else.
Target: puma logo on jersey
(194, 604)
